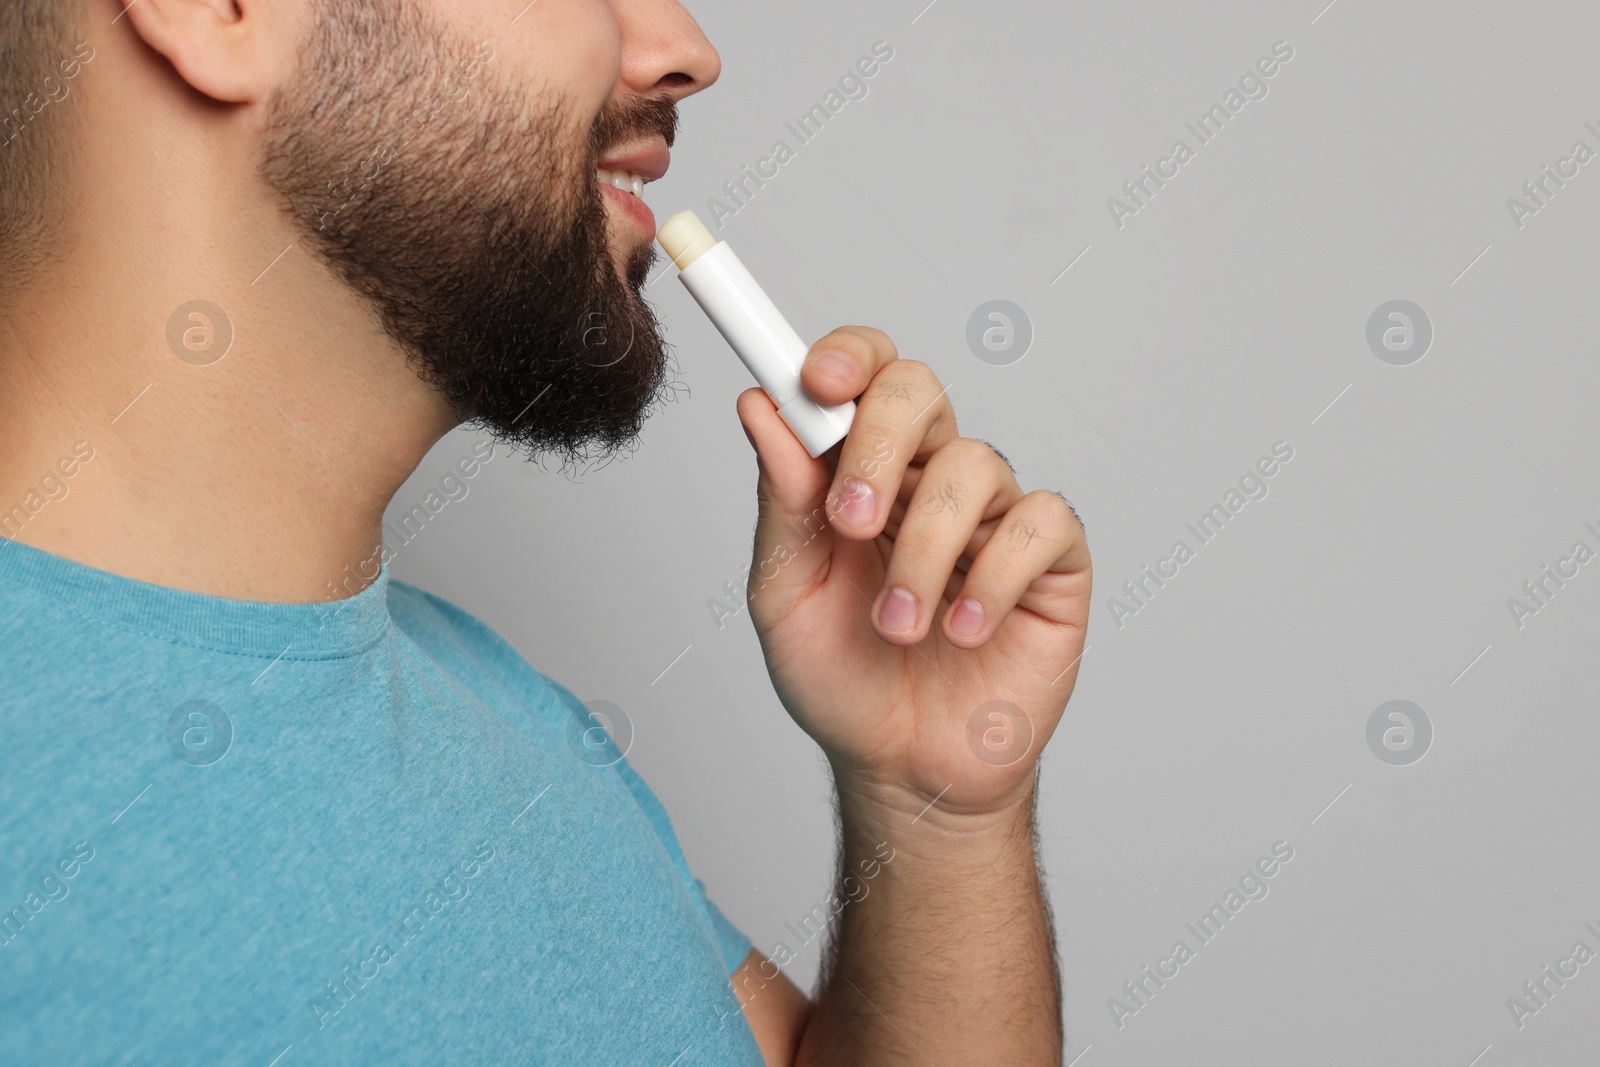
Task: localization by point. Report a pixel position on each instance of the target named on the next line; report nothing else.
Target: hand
(890, 688)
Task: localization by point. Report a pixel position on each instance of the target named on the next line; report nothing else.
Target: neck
(261, 476)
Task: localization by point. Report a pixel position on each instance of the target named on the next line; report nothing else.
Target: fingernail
(858, 504)
(835, 365)
(967, 618)
(899, 611)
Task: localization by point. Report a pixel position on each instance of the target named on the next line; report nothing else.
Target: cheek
(571, 47)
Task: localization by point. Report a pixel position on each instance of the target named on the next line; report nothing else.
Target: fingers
(791, 522)
(840, 365)
(980, 537)
(947, 513)
(1037, 536)
(904, 415)
(964, 484)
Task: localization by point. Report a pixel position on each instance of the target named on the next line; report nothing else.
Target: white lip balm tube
(758, 332)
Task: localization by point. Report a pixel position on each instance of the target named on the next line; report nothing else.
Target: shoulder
(470, 649)
(436, 624)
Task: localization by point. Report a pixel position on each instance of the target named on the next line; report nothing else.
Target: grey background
(1227, 315)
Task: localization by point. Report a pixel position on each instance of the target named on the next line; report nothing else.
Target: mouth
(626, 191)
(625, 173)
(621, 179)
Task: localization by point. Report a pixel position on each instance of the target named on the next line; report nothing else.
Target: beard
(465, 212)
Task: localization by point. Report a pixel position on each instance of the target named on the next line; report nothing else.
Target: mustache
(629, 120)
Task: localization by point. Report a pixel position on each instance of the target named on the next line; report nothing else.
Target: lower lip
(632, 206)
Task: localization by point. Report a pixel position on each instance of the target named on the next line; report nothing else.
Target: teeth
(621, 179)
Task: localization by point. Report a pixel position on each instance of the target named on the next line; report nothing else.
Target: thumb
(793, 538)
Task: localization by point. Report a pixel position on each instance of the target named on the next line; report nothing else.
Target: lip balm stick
(759, 334)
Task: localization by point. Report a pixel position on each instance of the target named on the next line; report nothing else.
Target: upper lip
(649, 160)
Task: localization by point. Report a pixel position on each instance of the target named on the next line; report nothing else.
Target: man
(261, 804)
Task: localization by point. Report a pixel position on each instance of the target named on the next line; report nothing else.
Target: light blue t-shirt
(359, 832)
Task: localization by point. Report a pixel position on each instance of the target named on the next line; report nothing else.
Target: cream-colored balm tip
(685, 238)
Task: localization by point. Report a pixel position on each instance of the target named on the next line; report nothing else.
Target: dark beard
(468, 216)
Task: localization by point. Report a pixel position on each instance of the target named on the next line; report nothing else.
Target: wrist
(882, 810)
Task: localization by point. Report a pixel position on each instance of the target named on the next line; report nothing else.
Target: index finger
(903, 417)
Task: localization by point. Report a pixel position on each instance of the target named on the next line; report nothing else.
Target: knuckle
(946, 497)
(873, 339)
(1053, 507)
(972, 454)
(916, 370)
(888, 389)
(1001, 456)
(1020, 533)
(906, 381)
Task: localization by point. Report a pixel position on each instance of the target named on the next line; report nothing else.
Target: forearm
(944, 952)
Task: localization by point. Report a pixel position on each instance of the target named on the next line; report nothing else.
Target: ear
(236, 51)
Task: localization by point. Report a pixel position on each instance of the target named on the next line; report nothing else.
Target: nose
(664, 51)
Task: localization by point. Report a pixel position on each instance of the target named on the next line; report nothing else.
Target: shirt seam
(123, 627)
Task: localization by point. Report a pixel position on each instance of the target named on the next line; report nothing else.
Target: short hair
(36, 49)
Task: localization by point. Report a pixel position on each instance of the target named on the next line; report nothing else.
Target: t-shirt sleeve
(730, 942)
(484, 647)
